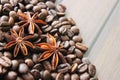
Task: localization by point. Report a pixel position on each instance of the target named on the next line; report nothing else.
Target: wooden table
(99, 23)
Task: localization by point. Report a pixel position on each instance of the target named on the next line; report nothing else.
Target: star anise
(30, 22)
(19, 41)
(52, 49)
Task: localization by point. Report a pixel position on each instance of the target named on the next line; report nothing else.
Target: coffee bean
(29, 62)
(46, 75)
(5, 62)
(52, 12)
(11, 75)
(4, 1)
(2, 70)
(74, 68)
(42, 5)
(65, 23)
(65, 38)
(72, 56)
(66, 44)
(38, 67)
(91, 70)
(63, 68)
(77, 60)
(50, 4)
(75, 30)
(77, 39)
(11, 21)
(67, 76)
(85, 60)
(28, 76)
(63, 19)
(78, 53)
(16, 28)
(71, 49)
(35, 73)
(33, 2)
(29, 6)
(54, 23)
(47, 65)
(23, 68)
(71, 21)
(34, 58)
(19, 78)
(70, 33)
(59, 76)
(7, 54)
(49, 18)
(47, 28)
(54, 75)
(81, 46)
(21, 6)
(75, 77)
(72, 43)
(62, 30)
(60, 8)
(14, 3)
(13, 14)
(15, 64)
(84, 76)
(4, 18)
(37, 8)
(82, 68)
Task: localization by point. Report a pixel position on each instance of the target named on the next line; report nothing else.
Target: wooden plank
(105, 53)
(89, 15)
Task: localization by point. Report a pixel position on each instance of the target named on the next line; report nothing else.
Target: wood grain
(105, 53)
(89, 15)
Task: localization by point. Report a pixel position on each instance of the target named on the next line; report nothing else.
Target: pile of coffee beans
(58, 25)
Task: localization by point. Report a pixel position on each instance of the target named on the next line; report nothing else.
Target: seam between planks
(101, 29)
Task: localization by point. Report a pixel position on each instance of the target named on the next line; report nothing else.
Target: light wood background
(99, 23)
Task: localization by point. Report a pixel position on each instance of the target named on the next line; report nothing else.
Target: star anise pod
(52, 49)
(30, 22)
(20, 42)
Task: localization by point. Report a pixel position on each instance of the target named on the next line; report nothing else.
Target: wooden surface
(99, 23)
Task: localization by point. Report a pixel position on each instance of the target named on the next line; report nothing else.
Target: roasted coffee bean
(72, 43)
(44, 11)
(91, 70)
(52, 12)
(67, 26)
(77, 60)
(5, 62)
(62, 30)
(19, 78)
(23, 68)
(46, 75)
(70, 33)
(11, 75)
(55, 23)
(47, 65)
(15, 64)
(29, 62)
(2, 70)
(7, 7)
(14, 3)
(65, 38)
(77, 39)
(49, 18)
(71, 49)
(75, 77)
(29, 6)
(65, 23)
(28, 76)
(21, 6)
(75, 30)
(66, 44)
(59, 76)
(4, 18)
(37, 8)
(82, 68)
(33, 2)
(78, 53)
(71, 21)
(60, 8)
(35, 73)
(42, 4)
(47, 28)
(50, 4)
(7, 54)
(63, 68)
(63, 19)
(16, 28)
(84, 76)
(72, 56)
(81, 46)
(74, 68)
(11, 21)
(42, 16)
(38, 67)
(53, 75)
(4, 1)
(85, 60)
(13, 14)
(34, 58)
(67, 76)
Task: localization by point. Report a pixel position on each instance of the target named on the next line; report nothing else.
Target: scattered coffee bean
(77, 60)
(59, 76)
(49, 18)
(35, 73)
(47, 65)
(60, 8)
(78, 53)
(2, 70)
(75, 30)
(91, 70)
(54, 75)
(23, 68)
(84, 76)
(74, 67)
(11, 75)
(82, 67)
(29, 62)
(15, 64)
(28, 76)
(46, 75)
(38, 67)
(75, 77)
(77, 39)
(72, 21)
(7, 54)
(67, 76)
(85, 60)
(81, 46)
(50, 4)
